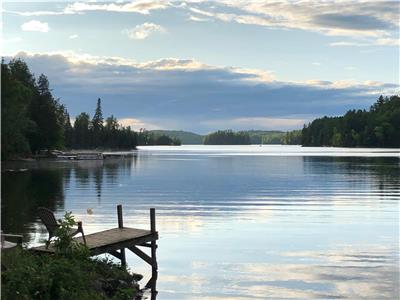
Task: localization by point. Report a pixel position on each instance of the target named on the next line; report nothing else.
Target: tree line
(377, 127)
(32, 119)
(227, 137)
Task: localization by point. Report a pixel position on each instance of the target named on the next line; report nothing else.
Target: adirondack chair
(49, 220)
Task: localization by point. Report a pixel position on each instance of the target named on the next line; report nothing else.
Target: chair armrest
(80, 229)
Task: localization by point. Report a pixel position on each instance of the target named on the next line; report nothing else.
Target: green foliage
(96, 126)
(33, 120)
(16, 94)
(187, 138)
(227, 137)
(153, 138)
(90, 134)
(64, 242)
(69, 274)
(378, 127)
(81, 131)
(46, 277)
(292, 138)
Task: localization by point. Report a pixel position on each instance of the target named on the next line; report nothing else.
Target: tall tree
(44, 112)
(97, 125)
(81, 131)
(15, 99)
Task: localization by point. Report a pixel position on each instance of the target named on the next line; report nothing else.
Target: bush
(68, 274)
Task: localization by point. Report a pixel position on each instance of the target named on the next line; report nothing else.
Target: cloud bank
(186, 94)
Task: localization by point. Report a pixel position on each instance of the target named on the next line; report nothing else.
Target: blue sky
(206, 65)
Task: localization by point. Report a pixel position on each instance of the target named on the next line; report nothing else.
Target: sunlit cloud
(197, 19)
(35, 25)
(73, 36)
(137, 124)
(143, 31)
(140, 6)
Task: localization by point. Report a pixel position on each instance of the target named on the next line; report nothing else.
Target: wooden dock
(115, 241)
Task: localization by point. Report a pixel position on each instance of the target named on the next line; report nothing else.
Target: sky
(207, 65)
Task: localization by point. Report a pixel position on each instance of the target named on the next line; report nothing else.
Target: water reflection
(235, 225)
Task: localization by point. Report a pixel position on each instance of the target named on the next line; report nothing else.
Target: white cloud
(137, 124)
(348, 44)
(366, 43)
(316, 64)
(143, 31)
(372, 19)
(388, 42)
(197, 19)
(73, 36)
(38, 13)
(35, 25)
(139, 6)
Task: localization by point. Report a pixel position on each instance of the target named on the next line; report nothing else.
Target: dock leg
(153, 242)
(152, 284)
(121, 225)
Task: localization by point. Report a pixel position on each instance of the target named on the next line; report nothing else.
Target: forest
(227, 137)
(378, 127)
(32, 119)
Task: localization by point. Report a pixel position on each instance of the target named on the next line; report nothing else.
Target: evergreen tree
(81, 131)
(97, 125)
(378, 127)
(44, 112)
(15, 99)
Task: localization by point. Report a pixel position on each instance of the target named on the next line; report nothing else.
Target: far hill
(266, 136)
(186, 137)
(256, 136)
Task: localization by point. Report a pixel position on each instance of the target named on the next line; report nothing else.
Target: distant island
(267, 137)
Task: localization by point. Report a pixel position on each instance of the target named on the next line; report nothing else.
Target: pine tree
(97, 125)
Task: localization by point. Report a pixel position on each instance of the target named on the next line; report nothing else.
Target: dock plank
(109, 240)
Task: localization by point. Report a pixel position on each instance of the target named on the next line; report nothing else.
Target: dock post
(153, 242)
(121, 225)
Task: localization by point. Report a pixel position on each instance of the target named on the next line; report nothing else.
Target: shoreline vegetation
(70, 273)
(33, 121)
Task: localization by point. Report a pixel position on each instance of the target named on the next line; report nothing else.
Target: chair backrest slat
(48, 219)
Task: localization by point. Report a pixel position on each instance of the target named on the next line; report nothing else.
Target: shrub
(69, 274)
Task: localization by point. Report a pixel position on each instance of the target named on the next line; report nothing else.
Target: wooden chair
(49, 220)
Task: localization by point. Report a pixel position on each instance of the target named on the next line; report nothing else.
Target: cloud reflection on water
(342, 273)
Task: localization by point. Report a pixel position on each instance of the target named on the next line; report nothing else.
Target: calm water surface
(235, 222)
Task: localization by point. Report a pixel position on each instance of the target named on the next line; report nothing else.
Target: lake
(235, 222)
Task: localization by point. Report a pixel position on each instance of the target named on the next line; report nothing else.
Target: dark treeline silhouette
(378, 127)
(96, 133)
(33, 120)
(153, 138)
(227, 137)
